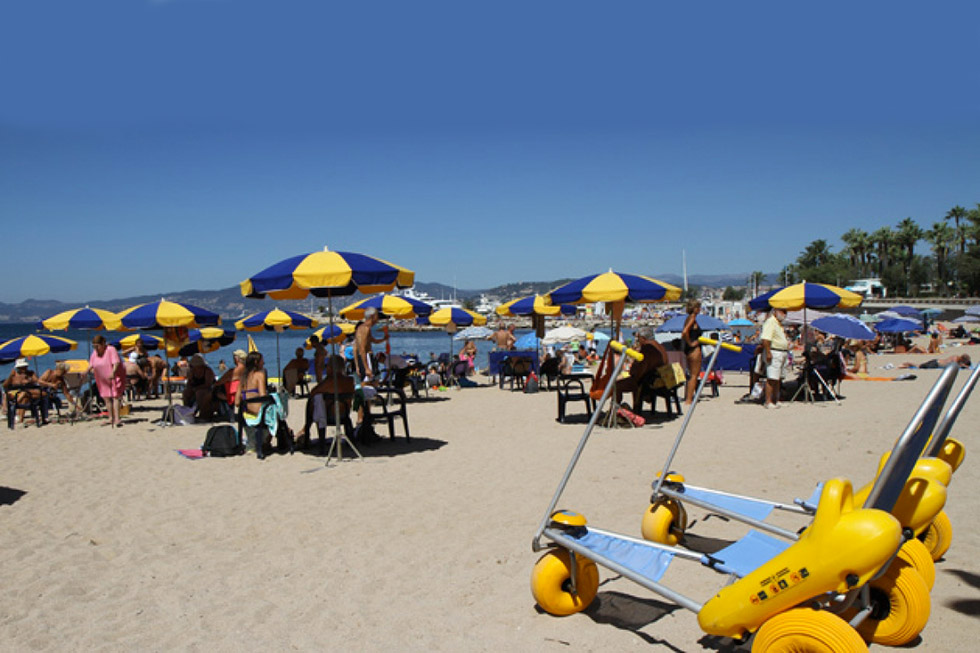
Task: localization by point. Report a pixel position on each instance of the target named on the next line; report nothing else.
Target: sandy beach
(112, 541)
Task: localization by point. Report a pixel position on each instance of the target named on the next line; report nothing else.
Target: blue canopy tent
(706, 322)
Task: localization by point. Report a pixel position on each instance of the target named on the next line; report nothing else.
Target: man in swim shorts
(775, 351)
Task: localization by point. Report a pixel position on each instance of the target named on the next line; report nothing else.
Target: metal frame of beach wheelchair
(665, 520)
(787, 594)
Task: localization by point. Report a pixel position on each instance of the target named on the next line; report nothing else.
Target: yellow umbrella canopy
(34, 345)
(614, 287)
(275, 320)
(82, 318)
(327, 274)
(533, 305)
(339, 331)
(458, 316)
(402, 308)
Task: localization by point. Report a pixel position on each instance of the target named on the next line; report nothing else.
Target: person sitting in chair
(301, 365)
(24, 383)
(135, 376)
(200, 386)
(336, 382)
(654, 356)
(52, 381)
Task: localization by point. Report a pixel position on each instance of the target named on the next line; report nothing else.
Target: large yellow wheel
(938, 536)
(664, 522)
(900, 606)
(551, 582)
(804, 630)
(916, 554)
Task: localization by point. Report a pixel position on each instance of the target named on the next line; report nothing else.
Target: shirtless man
(135, 376)
(499, 337)
(155, 369)
(319, 356)
(362, 358)
(54, 380)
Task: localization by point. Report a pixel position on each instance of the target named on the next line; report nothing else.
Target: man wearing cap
(775, 351)
(200, 387)
(22, 387)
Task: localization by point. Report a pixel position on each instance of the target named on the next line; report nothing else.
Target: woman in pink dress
(110, 375)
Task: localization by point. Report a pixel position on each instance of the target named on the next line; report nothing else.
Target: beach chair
(665, 382)
(295, 382)
(550, 369)
(572, 389)
(832, 579)
(457, 370)
(515, 370)
(389, 405)
(260, 432)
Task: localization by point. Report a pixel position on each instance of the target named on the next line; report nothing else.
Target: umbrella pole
(168, 414)
(339, 436)
(278, 360)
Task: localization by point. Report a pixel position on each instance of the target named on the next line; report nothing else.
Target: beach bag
(531, 386)
(183, 415)
(222, 441)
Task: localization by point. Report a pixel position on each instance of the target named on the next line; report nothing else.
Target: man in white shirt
(775, 347)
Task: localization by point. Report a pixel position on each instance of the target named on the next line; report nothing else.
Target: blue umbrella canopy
(898, 325)
(706, 322)
(327, 274)
(527, 342)
(387, 306)
(207, 340)
(973, 310)
(845, 326)
(741, 321)
(150, 342)
(905, 311)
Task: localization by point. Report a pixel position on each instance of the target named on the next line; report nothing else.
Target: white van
(868, 288)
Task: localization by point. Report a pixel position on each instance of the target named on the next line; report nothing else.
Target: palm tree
(755, 280)
(850, 239)
(956, 214)
(882, 240)
(973, 215)
(941, 237)
(907, 234)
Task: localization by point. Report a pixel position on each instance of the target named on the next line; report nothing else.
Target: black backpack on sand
(222, 441)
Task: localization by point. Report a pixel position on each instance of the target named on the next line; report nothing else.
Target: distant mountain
(229, 303)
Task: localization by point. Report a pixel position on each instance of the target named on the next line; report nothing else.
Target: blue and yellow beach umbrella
(91, 319)
(402, 308)
(332, 333)
(612, 287)
(458, 316)
(276, 320)
(533, 305)
(150, 342)
(327, 274)
(206, 340)
(165, 314)
(34, 345)
(806, 295)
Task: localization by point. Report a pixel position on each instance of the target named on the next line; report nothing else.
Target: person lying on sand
(963, 360)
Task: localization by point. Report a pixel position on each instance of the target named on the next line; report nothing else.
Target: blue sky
(155, 146)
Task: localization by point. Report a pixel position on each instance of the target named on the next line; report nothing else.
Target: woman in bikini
(692, 349)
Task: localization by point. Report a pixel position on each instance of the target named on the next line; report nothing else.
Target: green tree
(942, 238)
(733, 294)
(907, 234)
(856, 243)
(956, 214)
(881, 241)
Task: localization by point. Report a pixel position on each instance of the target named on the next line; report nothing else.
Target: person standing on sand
(692, 349)
(775, 351)
(364, 373)
(110, 376)
(319, 356)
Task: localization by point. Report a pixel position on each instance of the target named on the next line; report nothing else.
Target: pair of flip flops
(630, 416)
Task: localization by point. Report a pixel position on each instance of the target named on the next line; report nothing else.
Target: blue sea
(420, 343)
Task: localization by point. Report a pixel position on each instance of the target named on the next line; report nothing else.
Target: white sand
(118, 543)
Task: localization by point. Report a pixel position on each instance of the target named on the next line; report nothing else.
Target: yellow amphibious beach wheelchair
(810, 593)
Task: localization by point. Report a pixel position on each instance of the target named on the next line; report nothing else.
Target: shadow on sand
(10, 496)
